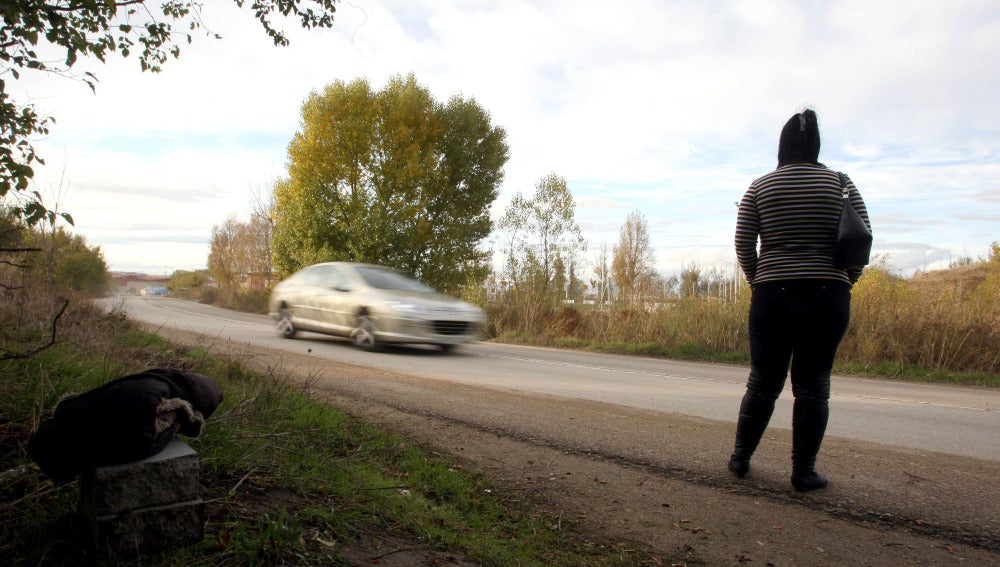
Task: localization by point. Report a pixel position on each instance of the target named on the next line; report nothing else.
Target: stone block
(133, 533)
(147, 506)
(168, 477)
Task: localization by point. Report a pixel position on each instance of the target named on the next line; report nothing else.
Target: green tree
(63, 261)
(633, 264)
(33, 29)
(390, 177)
(28, 317)
(539, 231)
(187, 279)
(692, 284)
(560, 280)
(575, 290)
(83, 269)
(226, 261)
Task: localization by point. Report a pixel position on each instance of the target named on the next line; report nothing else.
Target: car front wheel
(363, 335)
(285, 327)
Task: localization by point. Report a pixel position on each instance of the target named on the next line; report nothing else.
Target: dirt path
(659, 480)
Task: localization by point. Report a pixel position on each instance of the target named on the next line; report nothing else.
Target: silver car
(373, 306)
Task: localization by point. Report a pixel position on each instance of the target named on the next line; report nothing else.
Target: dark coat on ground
(125, 420)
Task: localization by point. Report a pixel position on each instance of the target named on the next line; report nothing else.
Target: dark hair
(799, 142)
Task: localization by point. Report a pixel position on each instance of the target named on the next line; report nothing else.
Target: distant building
(132, 283)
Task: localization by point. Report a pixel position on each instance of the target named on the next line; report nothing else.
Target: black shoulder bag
(853, 246)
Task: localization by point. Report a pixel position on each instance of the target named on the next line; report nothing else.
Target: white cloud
(669, 108)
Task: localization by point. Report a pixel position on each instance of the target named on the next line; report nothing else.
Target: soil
(658, 481)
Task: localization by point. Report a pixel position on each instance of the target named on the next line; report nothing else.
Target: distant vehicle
(373, 306)
(150, 291)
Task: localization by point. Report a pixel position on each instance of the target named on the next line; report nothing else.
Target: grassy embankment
(287, 479)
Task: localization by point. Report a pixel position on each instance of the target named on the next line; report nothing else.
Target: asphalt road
(946, 419)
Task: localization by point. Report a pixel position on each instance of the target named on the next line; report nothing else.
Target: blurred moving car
(373, 306)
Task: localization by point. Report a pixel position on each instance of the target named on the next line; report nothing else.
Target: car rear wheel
(363, 335)
(285, 327)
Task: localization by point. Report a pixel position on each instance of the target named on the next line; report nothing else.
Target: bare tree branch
(11, 355)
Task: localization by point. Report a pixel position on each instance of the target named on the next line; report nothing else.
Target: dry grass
(941, 325)
(961, 280)
(944, 321)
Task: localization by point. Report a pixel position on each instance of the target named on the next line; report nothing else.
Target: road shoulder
(659, 480)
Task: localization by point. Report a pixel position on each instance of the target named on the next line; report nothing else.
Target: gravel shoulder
(659, 480)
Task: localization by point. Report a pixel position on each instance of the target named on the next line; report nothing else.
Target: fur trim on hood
(178, 414)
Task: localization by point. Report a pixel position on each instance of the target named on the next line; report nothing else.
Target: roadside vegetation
(939, 327)
(287, 478)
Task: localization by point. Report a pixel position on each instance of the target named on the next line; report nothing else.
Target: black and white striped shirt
(794, 211)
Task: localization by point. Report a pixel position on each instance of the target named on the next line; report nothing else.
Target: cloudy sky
(669, 108)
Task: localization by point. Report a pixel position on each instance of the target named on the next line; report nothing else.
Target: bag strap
(843, 184)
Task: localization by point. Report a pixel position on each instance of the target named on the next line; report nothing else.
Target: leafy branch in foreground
(99, 28)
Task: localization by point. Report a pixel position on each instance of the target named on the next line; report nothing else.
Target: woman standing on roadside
(800, 302)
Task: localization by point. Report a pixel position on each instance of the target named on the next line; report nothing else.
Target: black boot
(755, 413)
(809, 417)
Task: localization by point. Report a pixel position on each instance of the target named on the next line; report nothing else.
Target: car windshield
(381, 278)
(322, 275)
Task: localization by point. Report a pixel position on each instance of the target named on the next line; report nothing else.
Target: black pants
(798, 323)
